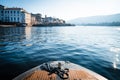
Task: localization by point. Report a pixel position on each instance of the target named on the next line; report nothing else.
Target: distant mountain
(103, 19)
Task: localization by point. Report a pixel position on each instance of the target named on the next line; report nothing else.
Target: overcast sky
(67, 9)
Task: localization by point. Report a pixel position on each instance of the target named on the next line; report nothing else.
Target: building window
(14, 13)
(11, 19)
(1, 11)
(2, 14)
(14, 19)
(18, 19)
(2, 18)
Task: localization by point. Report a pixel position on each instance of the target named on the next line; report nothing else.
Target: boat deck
(73, 75)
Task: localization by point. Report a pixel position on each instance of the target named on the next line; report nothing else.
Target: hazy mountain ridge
(115, 18)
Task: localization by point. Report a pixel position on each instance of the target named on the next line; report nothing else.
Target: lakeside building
(48, 20)
(33, 19)
(37, 18)
(19, 16)
(14, 15)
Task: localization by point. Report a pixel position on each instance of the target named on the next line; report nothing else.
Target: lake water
(94, 47)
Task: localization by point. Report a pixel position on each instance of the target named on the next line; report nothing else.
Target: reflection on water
(118, 29)
(28, 32)
(12, 34)
(96, 48)
(116, 57)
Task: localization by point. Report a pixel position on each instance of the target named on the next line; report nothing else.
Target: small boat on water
(59, 70)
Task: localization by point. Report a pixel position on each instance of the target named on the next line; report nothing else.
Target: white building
(33, 19)
(48, 20)
(17, 15)
(36, 18)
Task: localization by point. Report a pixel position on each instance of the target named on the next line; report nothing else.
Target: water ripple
(96, 48)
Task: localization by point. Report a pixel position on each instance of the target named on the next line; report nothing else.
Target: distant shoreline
(37, 25)
(54, 24)
(108, 24)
